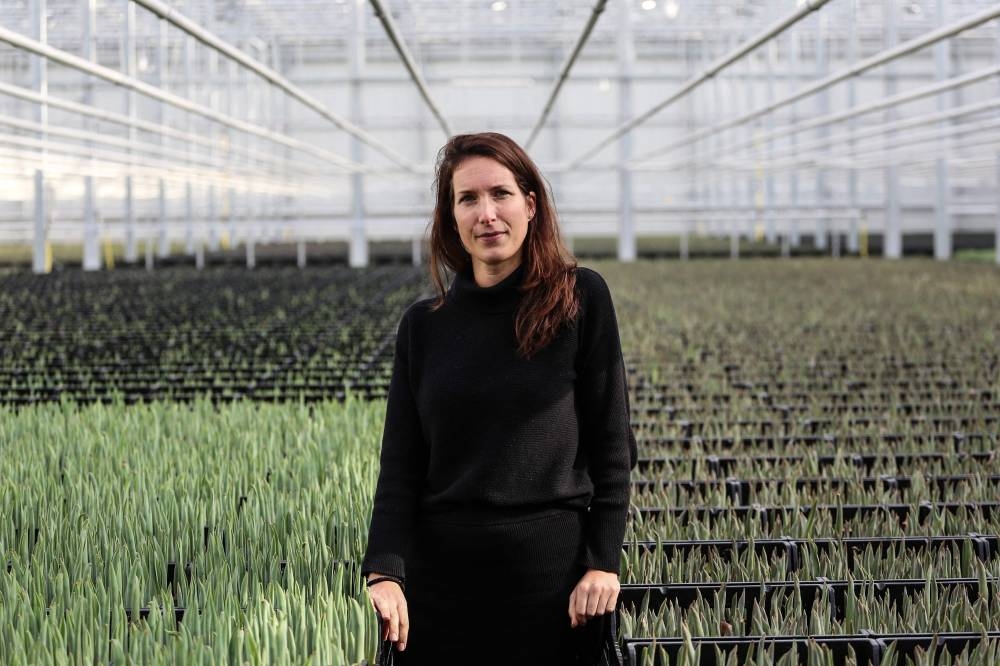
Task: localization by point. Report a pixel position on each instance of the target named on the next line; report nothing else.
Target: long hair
(549, 298)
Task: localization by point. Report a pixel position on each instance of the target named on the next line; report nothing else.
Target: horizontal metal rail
(985, 546)
(172, 16)
(863, 649)
(740, 491)
(860, 67)
(766, 593)
(595, 14)
(768, 514)
(765, 35)
(723, 465)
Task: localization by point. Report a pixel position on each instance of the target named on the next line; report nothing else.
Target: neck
(487, 275)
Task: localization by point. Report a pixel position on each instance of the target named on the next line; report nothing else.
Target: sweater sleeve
(402, 468)
(605, 431)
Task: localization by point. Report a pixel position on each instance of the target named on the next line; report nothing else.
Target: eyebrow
(492, 187)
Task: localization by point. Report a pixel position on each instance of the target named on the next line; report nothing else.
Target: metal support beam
(942, 216)
(189, 241)
(40, 253)
(892, 240)
(300, 254)
(770, 232)
(626, 58)
(91, 233)
(823, 108)
(163, 239)
(792, 237)
(595, 14)
(416, 249)
(358, 249)
(853, 48)
(129, 62)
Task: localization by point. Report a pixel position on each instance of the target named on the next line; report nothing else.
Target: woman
(504, 481)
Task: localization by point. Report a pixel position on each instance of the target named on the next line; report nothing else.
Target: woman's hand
(388, 601)
(595, 594)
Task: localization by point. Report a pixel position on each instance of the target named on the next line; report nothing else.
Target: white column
(128, 56)
(626, 57)
(91, 233)
(163, 238)
(415, 249)
(996, 231)
(942, 216)
(189, 240)
(892, 241)
(39, 69)
(301, 254)
(358, 252)
(823, 101)
(853, 48)
(770, 232)
(251, 250)
(794, 238)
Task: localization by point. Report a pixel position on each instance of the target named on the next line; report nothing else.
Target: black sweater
(476, 433)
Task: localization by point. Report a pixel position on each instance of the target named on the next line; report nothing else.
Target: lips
(492, 234)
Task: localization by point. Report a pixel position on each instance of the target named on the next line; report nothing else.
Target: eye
(465, 198)
(501, 194)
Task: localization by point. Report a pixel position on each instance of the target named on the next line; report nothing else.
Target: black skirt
(497, 593)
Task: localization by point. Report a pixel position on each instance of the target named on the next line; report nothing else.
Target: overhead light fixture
(604, 85)
(648, 4)
(498, 6)
(671, 9)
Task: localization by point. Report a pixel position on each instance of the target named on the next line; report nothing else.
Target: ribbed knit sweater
(477, 434)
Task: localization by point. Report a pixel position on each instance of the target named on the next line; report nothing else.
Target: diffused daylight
(315, 312)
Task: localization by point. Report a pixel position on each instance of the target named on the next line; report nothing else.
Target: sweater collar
(501, 297)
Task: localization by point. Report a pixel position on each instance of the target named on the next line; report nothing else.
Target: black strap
(379, 579)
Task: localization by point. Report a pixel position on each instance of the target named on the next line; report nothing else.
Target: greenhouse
(222, 230)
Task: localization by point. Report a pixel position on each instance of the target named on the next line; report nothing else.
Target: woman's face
(492, 214)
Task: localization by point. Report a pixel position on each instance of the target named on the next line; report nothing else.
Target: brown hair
(549, 282)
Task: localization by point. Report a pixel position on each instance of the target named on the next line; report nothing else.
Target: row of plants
(181, 333)
(817, 455)
(210, 532)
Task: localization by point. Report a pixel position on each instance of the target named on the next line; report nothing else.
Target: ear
(531, 205)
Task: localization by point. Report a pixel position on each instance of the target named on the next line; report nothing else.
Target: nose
(486, 211)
